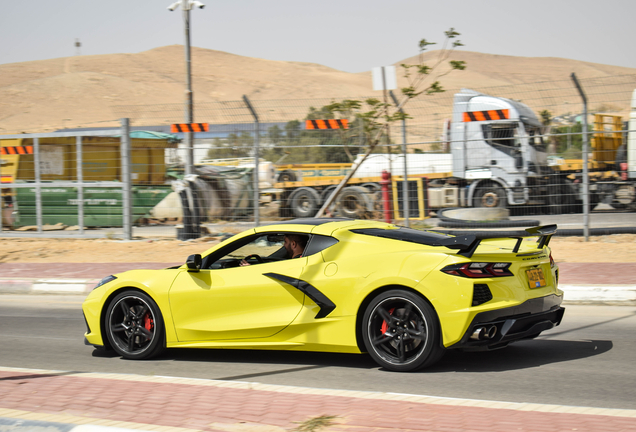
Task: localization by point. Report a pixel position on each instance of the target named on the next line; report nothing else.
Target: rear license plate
(535, 278)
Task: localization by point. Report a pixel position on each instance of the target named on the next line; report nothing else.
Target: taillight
(552, 263)
(479, 270)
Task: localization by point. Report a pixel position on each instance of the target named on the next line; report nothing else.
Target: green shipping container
(103, 207)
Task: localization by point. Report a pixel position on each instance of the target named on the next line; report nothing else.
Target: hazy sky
(349, 35)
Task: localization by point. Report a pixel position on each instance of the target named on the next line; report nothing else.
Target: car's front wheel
(401, 331)
(134, 326)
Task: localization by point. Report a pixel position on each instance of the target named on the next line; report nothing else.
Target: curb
(600, 293)
(358, 394)
(22, 425)
(46, 286)
(622, 294)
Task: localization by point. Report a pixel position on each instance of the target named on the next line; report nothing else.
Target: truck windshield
(535, 138)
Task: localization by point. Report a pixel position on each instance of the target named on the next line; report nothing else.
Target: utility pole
(186, 6)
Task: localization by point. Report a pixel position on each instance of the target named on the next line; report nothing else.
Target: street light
(186, 6)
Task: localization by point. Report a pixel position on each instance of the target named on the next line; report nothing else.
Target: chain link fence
(518, 148)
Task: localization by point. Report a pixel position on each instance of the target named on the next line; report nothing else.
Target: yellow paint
(241, 308)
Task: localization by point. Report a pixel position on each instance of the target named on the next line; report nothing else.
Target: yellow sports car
(339, 285)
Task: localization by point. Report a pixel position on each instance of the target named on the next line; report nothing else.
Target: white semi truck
(497, 159)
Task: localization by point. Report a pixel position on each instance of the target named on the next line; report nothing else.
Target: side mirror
(194, 263)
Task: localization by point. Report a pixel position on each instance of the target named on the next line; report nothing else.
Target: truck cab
(497, 148)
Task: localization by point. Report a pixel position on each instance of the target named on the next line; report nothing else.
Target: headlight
(105, 281)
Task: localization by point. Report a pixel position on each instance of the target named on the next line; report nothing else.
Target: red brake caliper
(385, 325)
(148, 322)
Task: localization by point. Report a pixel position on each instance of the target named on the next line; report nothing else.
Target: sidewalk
(610, 283)
(183, 404)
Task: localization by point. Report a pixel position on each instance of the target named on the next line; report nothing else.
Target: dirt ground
(614, 248)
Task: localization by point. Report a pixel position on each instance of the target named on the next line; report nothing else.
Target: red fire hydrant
(386, 196)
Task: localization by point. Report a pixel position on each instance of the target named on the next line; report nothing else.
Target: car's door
(236, 302)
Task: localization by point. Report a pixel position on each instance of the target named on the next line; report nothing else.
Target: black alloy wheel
(401, 331)
(134, 326)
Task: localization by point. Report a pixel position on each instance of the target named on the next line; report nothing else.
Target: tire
(134, 326)
(304, 202)
(490, 196)
(375, 191)
(401, 331)
(354, 202)
(372, 187)
(324, 196)
(624, 196)
(326, 193)
(286, 176)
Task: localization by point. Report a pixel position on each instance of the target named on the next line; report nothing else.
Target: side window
(262, 247)
(500, 135)
(268, 247)
(319, 243)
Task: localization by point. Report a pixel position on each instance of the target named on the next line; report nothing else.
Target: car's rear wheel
(134, 326)
(401, 331)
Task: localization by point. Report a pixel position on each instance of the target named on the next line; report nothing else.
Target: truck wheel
(372, 187)
(304, 202)
(286, 176)
(326, 193)
(354, 202)
(623, 197)
(491, 196)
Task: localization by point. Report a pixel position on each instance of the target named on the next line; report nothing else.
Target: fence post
(257, 192)
(80, 180)
(405, 182)
(126, 190)
(586, 180)
(38, 184)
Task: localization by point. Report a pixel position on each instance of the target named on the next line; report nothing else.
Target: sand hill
(93, 91)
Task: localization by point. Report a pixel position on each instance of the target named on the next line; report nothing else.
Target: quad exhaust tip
(484, 333)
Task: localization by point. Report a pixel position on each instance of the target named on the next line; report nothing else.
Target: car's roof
(310, 221)
(324, 226)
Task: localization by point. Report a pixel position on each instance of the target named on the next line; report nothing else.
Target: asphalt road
(587, 361)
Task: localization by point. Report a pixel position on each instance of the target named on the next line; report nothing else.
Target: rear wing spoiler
(468, 243)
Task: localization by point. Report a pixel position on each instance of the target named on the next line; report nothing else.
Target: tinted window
(319, 243)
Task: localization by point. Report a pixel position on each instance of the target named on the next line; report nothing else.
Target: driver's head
(295, 244)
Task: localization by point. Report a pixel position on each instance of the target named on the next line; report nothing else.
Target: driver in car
(294, 244)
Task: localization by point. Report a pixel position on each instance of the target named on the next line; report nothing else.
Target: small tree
(377, 115)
